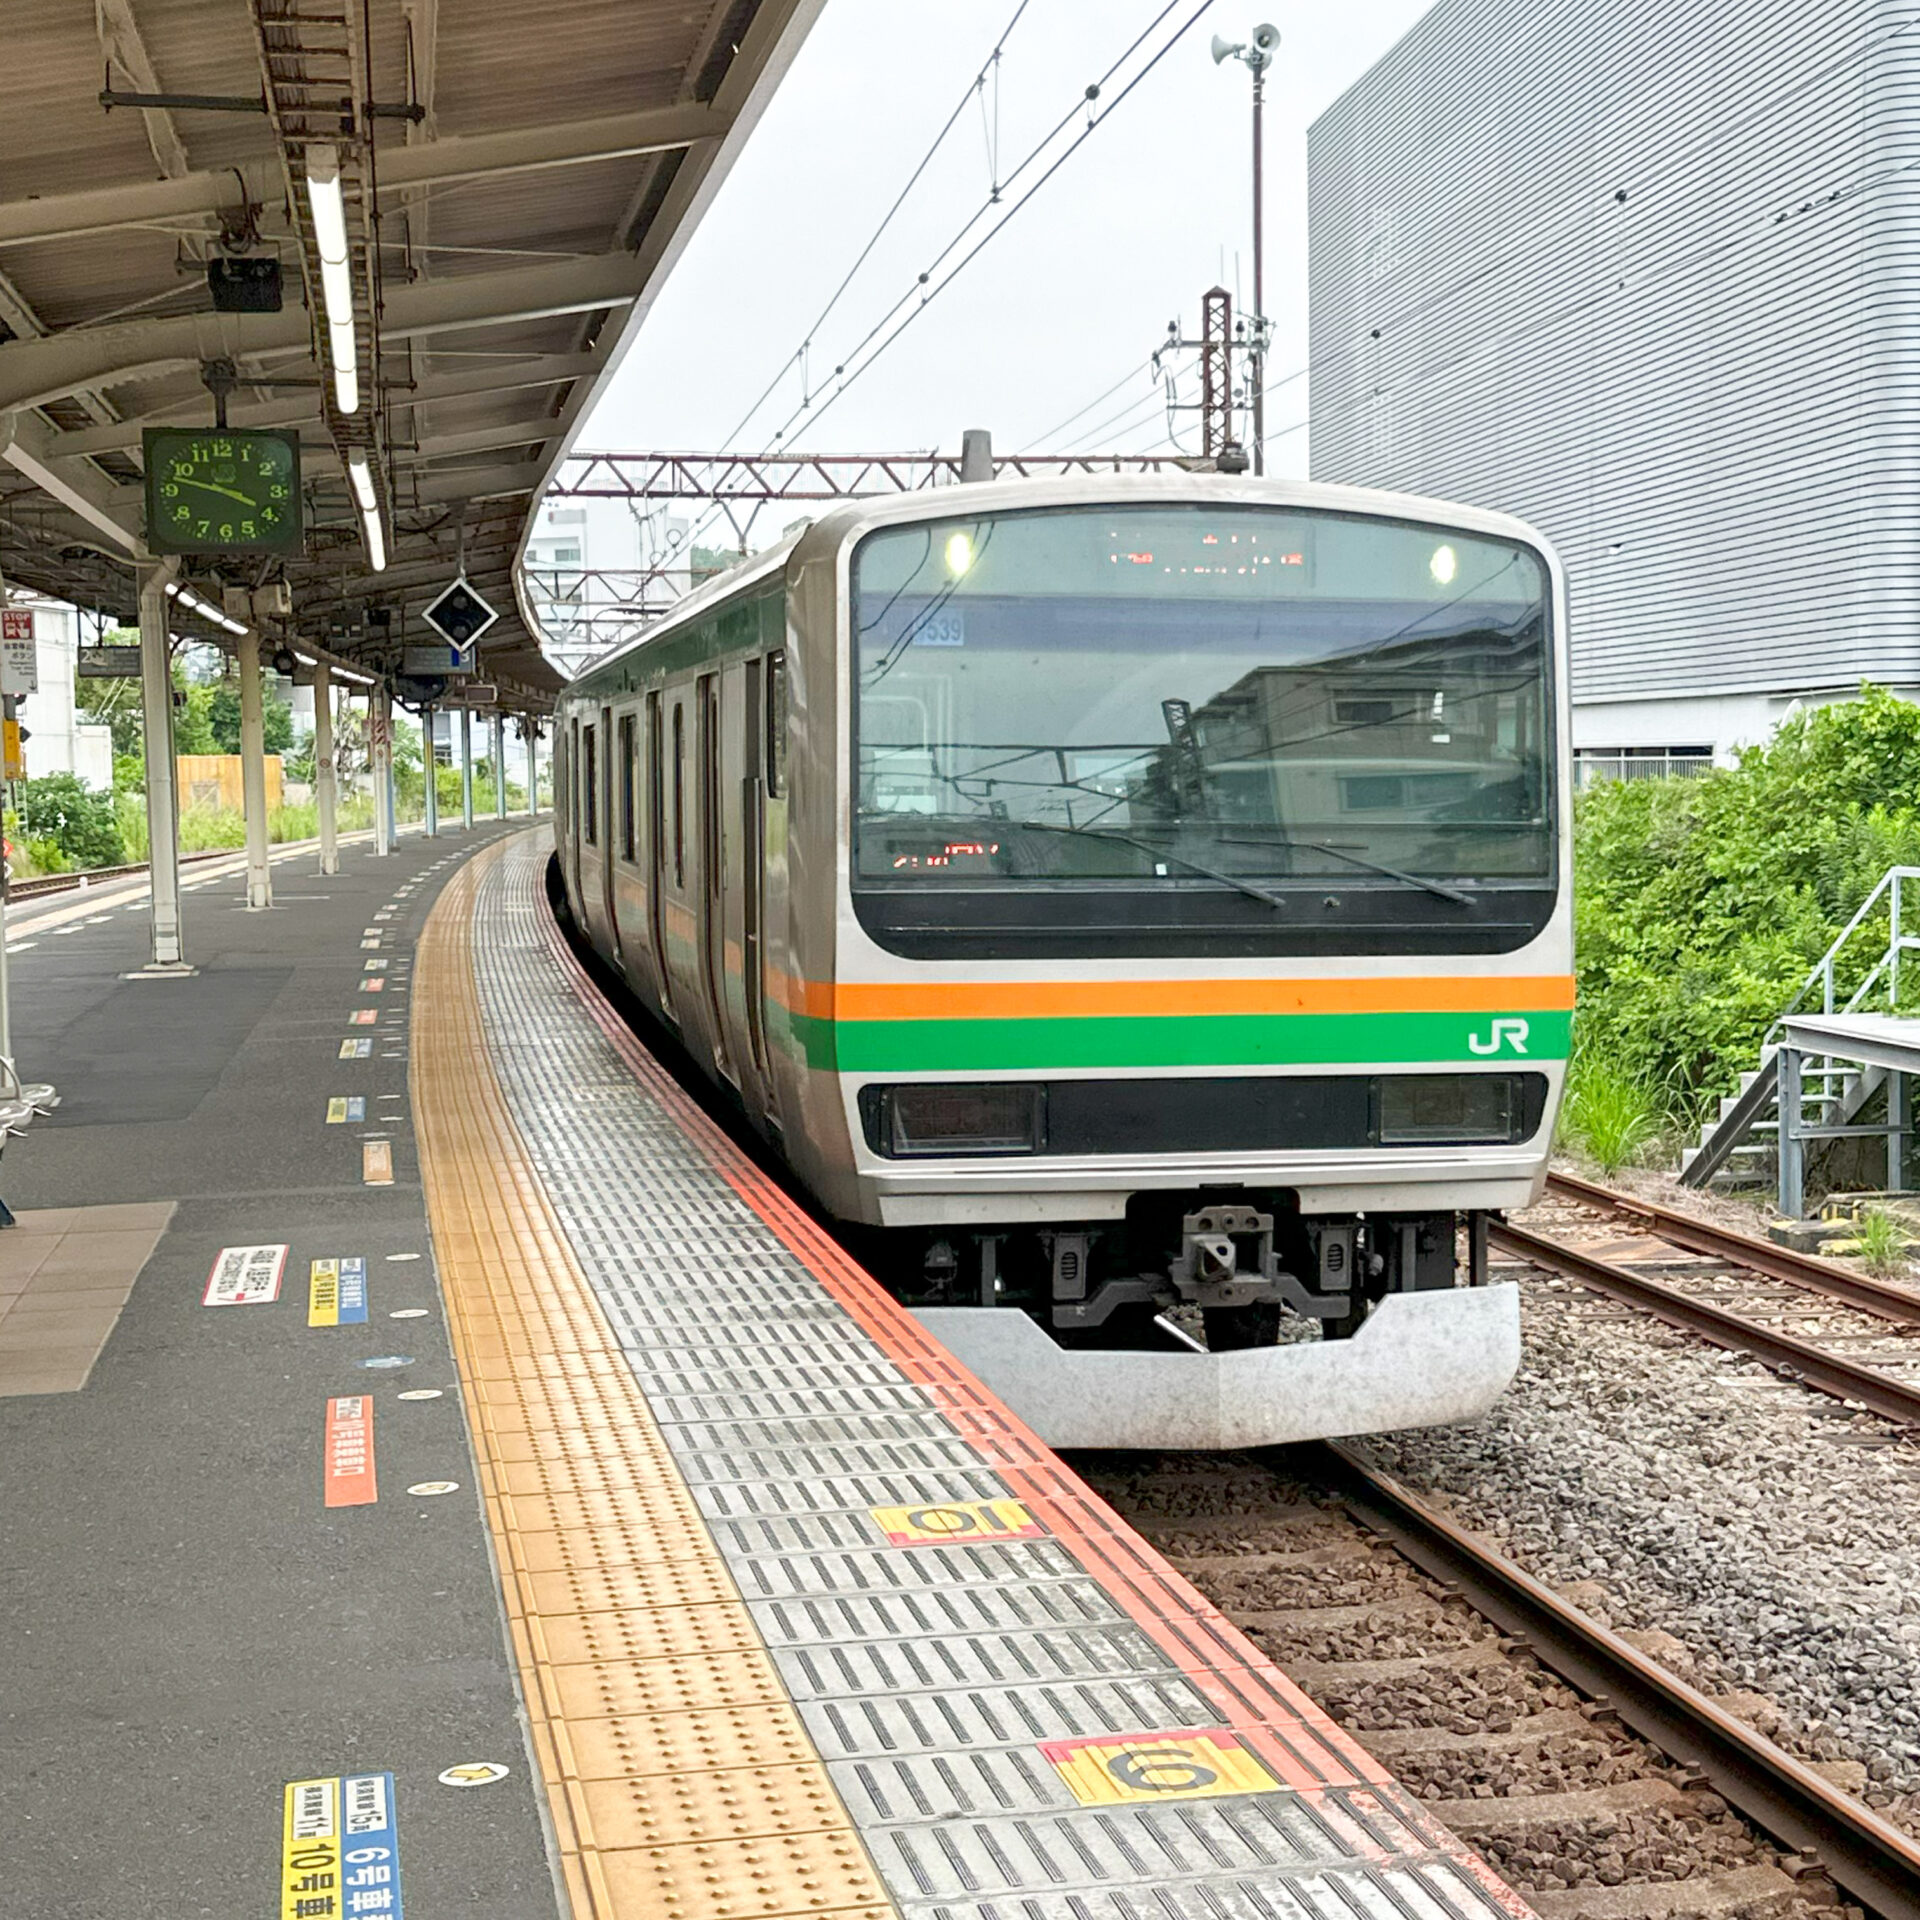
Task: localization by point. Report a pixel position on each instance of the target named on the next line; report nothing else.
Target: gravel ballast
(1770, 1531)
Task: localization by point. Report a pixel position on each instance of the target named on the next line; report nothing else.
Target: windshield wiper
(1435, 887)
(1232, 880)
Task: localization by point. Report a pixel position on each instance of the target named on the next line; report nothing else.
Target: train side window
(590, 786)
(629, 780)
(679, 794)
(776, 724)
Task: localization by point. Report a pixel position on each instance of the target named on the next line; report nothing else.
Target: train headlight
(918, 1123)
(959, 552)
(1443, 566)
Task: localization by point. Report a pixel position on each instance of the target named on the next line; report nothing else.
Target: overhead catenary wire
(974, 88)
(866, 353)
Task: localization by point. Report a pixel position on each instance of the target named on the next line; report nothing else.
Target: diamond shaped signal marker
(460, 615)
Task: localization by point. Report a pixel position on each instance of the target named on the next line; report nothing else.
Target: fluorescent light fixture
(367, 498)
(361, 475)
(204, 608)
(329, 209)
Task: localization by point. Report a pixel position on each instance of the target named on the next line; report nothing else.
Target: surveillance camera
(1265, 38)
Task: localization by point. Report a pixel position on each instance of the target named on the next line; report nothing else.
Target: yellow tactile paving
(681, 1783)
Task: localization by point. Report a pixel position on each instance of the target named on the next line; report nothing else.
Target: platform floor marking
(966, 1522)
(794, 1497)
(1183, 1764)
(348, 1472)
(245, 1276)
(376, 1163)
(344, 1108)
(629, 1633)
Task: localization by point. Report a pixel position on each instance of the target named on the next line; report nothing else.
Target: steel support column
(430, 822)
(163, 808)
(533, 769)
(1793, 1152)
(253, 769)
(499, 766)
(325, 783)
(380, 765)
(466, 769)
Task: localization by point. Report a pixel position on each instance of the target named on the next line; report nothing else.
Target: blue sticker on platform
(370, 1846)
(353, 1292)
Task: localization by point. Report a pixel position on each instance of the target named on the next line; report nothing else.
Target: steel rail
(45, 883)
(1748, 1250)
(1811, 1365)
(1868, 1858)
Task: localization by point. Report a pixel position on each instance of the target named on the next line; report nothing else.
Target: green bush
(62, 811)
(47, 856)
(1702, 904)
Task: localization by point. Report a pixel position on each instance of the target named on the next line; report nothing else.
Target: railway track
(1807, 1319)
(1600, 1785)
(46, 883)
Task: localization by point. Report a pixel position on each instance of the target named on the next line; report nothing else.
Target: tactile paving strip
(682, 1782)
(795, 1401)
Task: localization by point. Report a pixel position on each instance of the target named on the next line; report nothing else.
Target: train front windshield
(1295, 729)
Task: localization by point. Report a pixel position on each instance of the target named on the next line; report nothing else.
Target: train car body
(1119, 900)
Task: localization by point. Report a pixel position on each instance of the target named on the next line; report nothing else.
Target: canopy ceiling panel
(518, 178)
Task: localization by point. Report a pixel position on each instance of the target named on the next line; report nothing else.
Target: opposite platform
(807, 1622)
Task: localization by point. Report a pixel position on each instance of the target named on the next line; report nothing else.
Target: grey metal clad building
(1647, 273)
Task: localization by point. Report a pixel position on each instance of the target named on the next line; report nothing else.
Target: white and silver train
(1138, 908)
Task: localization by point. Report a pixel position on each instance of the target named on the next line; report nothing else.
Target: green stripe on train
(1191, 1040)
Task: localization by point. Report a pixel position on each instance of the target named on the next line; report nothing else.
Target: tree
(223, 715)
(60, 807)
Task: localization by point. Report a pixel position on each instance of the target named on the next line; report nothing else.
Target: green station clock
(217, 490)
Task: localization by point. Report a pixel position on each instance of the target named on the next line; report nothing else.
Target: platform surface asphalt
(185, 1627)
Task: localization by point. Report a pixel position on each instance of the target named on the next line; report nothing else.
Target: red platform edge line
(1309, 1752)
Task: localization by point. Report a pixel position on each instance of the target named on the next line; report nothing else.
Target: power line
(855, 366)
(930, 293)
(1130, 374)
(975, 87)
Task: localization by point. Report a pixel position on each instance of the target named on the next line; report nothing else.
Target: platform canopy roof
(515, 179)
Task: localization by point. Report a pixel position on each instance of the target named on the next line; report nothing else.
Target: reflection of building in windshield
(1419, 735)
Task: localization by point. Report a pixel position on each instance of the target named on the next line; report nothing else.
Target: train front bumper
(1421, 1360)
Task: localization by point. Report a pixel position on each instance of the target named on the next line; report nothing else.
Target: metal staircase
(1739, 1146)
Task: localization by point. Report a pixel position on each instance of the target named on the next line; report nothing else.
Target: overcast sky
(1069, 300)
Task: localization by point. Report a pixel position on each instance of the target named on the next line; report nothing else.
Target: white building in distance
(1642, 274)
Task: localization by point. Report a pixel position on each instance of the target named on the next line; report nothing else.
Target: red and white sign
(245, 1277)
(349, 1455)
(19, 654)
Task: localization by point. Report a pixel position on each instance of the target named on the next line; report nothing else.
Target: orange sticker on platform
(1204, 1763)
(376, 1163)
(968, 1522)
(364, 1018)
(348, 1475)
(373, 986)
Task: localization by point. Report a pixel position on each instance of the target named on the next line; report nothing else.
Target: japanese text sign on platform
(245, 1277)
(340, 1849)
(19, 655)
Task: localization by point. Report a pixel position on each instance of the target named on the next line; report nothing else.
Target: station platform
(557, 1521)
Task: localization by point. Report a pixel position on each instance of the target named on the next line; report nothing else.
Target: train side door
(569, 795)
(609, 842)
(658, 854)
(713, 923)
(753, 841)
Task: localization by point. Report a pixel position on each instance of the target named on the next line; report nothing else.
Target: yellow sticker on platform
(968, 1522)
(310, 1847)
(1205, 1763)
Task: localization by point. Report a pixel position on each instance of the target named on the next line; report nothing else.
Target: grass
(1881, 1242)
(1609, 1116)
(211, 829)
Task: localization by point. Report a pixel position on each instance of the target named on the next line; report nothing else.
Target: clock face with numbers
(215, 491)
